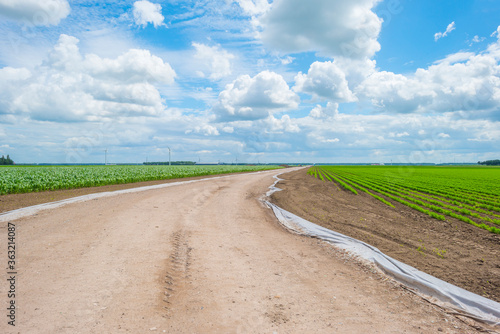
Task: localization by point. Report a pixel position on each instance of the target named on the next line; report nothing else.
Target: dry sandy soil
(204, 257)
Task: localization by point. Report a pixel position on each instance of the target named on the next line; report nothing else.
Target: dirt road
(205, 257)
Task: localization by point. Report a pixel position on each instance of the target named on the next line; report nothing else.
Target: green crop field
(19, 179)
(469, 194)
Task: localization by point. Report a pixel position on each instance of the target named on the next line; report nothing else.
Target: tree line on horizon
(6, 161)
(172, 163)
(490, 162)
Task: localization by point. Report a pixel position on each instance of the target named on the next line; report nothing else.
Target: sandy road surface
(205, 257)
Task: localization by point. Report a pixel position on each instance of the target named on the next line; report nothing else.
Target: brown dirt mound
(451, 250)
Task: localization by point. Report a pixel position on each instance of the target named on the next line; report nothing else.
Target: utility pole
(105, 156)
(169, 163)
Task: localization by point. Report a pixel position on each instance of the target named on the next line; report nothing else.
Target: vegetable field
(469, 194)
(21, 179)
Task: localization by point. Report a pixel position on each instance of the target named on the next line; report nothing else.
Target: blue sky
(250, 80)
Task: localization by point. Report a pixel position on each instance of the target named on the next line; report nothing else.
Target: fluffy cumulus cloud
(69, 86)
(132, 67)
(325, 80)
(332, 27)
(146, 12)
(276, 125)
(214, 62)
(460, 82)
(320, 112)
(35, 12)
(255, 97)
(395, 92)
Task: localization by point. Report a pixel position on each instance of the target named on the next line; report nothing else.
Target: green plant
(440, 252)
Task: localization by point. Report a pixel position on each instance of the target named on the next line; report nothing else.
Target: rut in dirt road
(177, 269)
(203, 257)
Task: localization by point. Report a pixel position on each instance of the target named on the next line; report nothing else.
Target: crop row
(416, 192)
(446, 203)
(433, 210)
(445, 184)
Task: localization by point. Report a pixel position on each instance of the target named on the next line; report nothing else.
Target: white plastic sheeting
(435, 290)
(31, 210)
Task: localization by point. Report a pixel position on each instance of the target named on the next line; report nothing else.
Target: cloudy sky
(250, 80)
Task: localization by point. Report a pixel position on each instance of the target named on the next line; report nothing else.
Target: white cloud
(449, 29)
(331, 110)
(255, 98)
(131, 67)
(9, 79)
(228, 129)
(205, 129)
(65, 56)
(477, 39)
(461, 82)
(71, 87)
(213, 60)
(496, 33)
(325, 80)
(455, 58)
(355, 70)
(254, 7)
(35, 12)
(395, 92)
(335, 28)
(443, 135)
(322, 140)
(284, 124)
(147, 12)
(398, 135)
(287, 60)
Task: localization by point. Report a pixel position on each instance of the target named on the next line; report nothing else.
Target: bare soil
(451, 250)
(203, 257)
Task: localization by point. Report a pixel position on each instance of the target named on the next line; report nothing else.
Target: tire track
(177, 272)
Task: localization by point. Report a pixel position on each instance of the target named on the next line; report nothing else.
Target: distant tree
(490, 162)
(6, 161)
